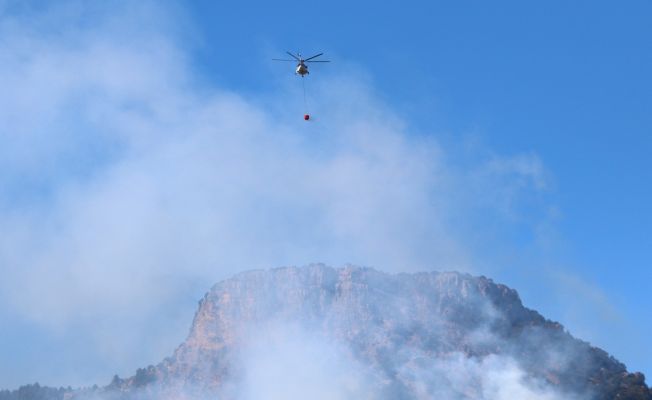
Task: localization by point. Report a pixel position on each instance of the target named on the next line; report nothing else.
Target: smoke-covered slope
(318, 332)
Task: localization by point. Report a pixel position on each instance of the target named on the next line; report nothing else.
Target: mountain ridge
(404, 333)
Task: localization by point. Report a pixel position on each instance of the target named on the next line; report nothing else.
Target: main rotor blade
(310, 58)
(317, 61)
(280, 59)
(293, 56)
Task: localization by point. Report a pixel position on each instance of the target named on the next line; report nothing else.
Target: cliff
(319, 332)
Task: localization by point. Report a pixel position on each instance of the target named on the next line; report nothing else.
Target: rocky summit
(356, 333)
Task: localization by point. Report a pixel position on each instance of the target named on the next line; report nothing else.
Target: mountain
(324, 333)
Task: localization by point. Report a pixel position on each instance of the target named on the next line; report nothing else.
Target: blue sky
(150, 150)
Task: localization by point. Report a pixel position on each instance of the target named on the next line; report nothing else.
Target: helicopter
(302, 70)
(302, 67)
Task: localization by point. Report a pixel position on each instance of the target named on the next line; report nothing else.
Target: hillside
(320, 332)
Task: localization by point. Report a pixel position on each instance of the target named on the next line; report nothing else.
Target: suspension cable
(305, 99)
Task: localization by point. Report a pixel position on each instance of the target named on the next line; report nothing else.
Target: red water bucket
(306, 117)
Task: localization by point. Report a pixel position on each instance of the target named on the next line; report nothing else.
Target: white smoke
(127, 185)
(459, 377)
(286, 361)
(292, 358)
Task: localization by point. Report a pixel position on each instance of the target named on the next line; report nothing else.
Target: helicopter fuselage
(302, 69)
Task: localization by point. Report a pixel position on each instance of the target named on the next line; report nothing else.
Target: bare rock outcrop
(354, 332)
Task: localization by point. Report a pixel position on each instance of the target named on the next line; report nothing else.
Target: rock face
(423, 335)
(319, 332)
